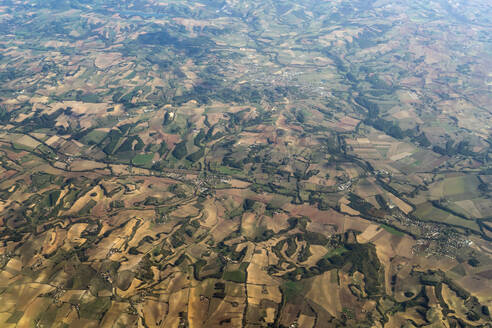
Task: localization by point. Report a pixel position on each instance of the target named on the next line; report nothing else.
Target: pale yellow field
(325, 292)
(86, 165)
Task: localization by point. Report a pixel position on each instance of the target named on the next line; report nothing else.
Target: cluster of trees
(128, 144)
(392, 128)
(452, 149)
(4, 114)
(180, 150)
(389, 127)
(42, 121)
(111, 140)
(194, 157)
(361, 258)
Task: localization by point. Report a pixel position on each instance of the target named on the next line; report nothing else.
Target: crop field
(430, 213)
(456, 188)
(245, 164)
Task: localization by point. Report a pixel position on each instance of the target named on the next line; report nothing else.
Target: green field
(456, 188)
(238, 276)
(336, 252)
(392, 230)
(292, 289)
(93, 137)
(143, 160)
(427, 212)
